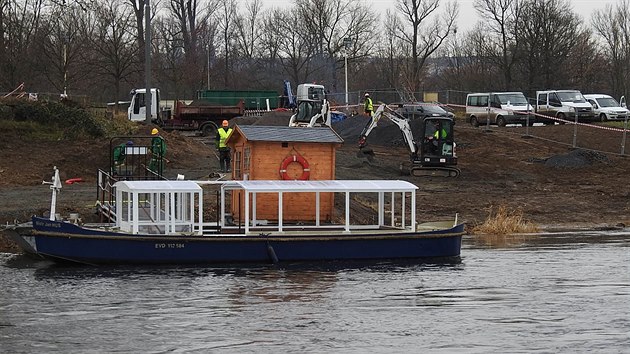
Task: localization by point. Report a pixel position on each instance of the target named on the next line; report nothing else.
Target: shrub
(69, 119)
(505, 221)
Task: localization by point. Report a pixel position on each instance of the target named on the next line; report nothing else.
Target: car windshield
(571, 96)
(608, 102)
(513, 99)
(433, 109)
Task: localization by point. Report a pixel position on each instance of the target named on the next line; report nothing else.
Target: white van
(500, 108)
(562, 105)
(606, 107)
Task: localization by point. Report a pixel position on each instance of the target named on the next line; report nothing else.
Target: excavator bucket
(365, 151)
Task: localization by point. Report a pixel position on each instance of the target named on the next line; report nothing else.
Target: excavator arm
(392, 116)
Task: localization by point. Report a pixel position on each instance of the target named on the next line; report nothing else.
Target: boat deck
(177, 207)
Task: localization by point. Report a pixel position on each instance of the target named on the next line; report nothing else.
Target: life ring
(306, 171)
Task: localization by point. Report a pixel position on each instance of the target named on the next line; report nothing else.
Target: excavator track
(426, 171)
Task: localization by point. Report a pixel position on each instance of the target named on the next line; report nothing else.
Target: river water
(544, 293)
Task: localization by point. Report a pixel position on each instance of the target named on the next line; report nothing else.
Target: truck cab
(563, 105)
(138, 107)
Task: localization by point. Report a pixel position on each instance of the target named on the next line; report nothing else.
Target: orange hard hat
(225, 123)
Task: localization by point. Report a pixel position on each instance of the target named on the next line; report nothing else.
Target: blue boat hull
(66, 241)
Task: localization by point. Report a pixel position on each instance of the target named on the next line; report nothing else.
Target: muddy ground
(551, 183)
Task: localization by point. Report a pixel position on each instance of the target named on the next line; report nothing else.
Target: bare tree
(327, 23)
(504, 17)
(548, 33)
(289, 44)
(471, 70)
(114, 52)
(190, 19)
(61, 47)
(138, 11)
(248, 28)
(19, 23)
(226, 18)
(168, 57)
(586, 59)
(421, 33)
(613, 25)
(391, 52)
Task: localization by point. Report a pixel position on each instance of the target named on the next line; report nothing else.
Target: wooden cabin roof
(292, 134)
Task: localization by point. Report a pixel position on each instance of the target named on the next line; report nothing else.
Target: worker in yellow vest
(368, 107)
(224, 151)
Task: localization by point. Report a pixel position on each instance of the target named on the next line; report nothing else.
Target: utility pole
(65, 66)
(347, 43)
(65, 53)
(147, 59)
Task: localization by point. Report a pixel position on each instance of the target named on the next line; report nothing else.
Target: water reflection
(555, 239)
(501, 241)
(539, 293)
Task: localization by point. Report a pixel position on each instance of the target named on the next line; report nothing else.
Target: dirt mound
(385, 133)
(274, 118)
(576, 159)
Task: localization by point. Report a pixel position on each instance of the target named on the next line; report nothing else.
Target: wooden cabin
(280, 152)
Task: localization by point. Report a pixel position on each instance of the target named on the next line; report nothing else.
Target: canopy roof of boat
(323, 186)
(157, 186)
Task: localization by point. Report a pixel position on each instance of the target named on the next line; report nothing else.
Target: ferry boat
(164, 222)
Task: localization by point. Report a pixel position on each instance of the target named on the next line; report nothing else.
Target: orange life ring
(306, 171)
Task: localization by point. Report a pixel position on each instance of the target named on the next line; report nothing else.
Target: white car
(606, 107)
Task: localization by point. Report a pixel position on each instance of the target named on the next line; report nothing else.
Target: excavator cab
(313, 110)
(437, 154)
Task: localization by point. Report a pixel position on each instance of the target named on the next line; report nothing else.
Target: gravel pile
(272, 118)
(576, 158)
(386, 133)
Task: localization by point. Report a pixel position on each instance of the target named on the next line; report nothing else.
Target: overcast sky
(467, 14)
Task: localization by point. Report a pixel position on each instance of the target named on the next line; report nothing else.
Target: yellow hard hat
(225, 123)
(154, 131)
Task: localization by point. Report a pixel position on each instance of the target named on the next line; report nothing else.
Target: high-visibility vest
(368, 104)
(437, 133)
(223, 135)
